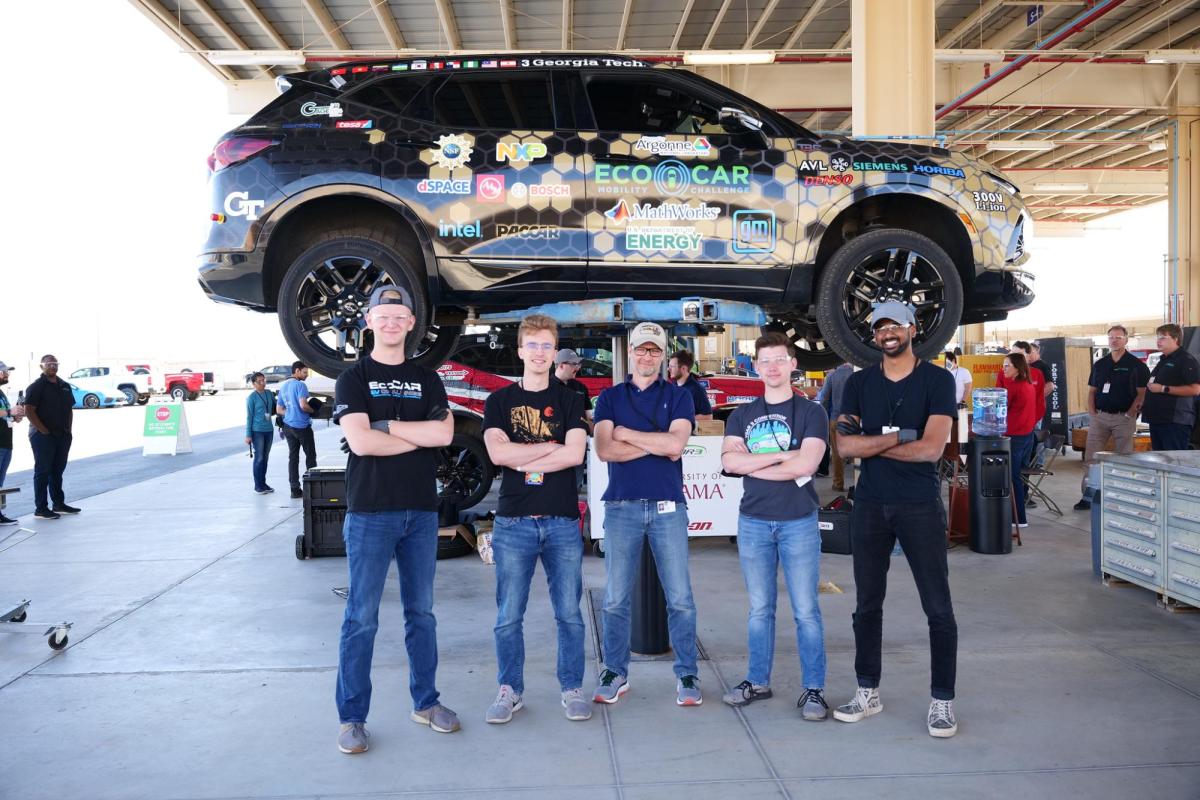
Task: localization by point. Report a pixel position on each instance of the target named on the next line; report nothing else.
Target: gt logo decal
(239, 204)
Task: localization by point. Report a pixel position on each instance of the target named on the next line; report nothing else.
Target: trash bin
(989, 484)
(648, 627)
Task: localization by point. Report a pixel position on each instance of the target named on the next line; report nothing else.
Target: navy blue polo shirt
(699, 397)
(651, 410)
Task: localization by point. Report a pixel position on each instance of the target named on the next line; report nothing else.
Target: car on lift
(496, 183)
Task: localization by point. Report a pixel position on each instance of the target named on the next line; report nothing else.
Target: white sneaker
(942, 723)
(501, 711)
(865, 703)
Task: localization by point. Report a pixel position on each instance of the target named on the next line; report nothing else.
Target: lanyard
(638, 411)
(893, 407)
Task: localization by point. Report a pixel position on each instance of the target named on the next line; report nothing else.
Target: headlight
(1003, 184)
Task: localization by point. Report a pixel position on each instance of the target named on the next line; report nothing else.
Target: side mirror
(734, 120)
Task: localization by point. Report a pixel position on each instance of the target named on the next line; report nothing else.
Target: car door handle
(411, 143)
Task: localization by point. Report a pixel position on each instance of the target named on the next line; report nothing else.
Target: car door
(681, 198)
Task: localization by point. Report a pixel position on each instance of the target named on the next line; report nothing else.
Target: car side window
(498, 101)
(392, 94)
(649, 105)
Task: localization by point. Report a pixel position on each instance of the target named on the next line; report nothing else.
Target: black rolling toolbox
(324, 512)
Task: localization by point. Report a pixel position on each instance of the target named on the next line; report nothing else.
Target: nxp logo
(754, 231)
(519, 152)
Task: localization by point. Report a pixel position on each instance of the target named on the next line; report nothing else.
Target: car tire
(91, 401)
(142, 400)
(464, 466)
(332, 279)
(888, 264)
(813, 353)
(178, 392)
(130, 396)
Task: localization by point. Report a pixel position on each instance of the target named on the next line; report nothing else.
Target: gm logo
(519, 152)
(754, 231)
(672, 177)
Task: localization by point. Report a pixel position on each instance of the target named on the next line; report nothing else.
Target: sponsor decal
(436, 64)
(338, 71)
(419, 65)
(300, 125)
(359, 124)
(662, 146)
(358, 70)
(489, 188)
(379, 68)
(989, 201)
(671, 210)
(437, 186)
(919, 169)
(828, 180)
(507, 63)
(808, 147)
(462, 230)
(934, 169)
(671, 177)
(514, 151)
(311, 109)
(646, 238)
(813, 165)
(488, 63)
(453, 151)
(700, 526)
(740, 398)
(472, 64)
(449, 373)
(754, 231)
(839, 163)
(528, 231)
(454, 64)
(405, 390)
(695, 450)
(239, 204)
(520, 191)
(399, 67)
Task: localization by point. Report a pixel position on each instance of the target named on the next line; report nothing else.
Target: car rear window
(511, 101)
(392, 94)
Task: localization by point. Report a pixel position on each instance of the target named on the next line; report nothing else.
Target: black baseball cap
(380, 297)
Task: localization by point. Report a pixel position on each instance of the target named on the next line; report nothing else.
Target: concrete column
(1183, 214)
(892, 69)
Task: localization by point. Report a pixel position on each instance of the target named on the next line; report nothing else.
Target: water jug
(990, 412)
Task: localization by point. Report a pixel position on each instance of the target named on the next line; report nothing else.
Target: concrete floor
(203, 656)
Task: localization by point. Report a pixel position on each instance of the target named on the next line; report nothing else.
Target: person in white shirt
(962, 377)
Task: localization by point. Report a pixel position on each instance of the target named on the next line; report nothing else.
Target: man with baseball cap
(566, 367)
(642, 427)
(394, 415)
(9, 417)
(49, 404)
(896, 417)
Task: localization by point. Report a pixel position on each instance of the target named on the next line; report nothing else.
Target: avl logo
(754, 231)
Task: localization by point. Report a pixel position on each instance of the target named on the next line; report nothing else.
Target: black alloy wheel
(464, 467)
(813, 353)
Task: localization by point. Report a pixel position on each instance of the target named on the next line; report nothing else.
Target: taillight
(235, 149)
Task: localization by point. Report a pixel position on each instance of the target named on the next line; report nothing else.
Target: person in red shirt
(1023, 394)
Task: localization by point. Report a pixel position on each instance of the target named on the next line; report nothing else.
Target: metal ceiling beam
(215, 20)
(716, 23)
(1177, 29)
(387, 21)
(1017, 30)
(683, 19)
(758, 26)
(165, 22)
(1129, 29)
(567, 16)
(804, 22)
(974, 20)
(1078, 157)
(449, 24)
(316, 9)
(508, 23)
(265, 24)
(624, 29)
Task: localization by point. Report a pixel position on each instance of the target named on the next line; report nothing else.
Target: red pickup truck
(182, 385)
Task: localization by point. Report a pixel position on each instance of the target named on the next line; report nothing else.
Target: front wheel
(463, 467)
(882, 265)
(91, 401)
(130, 396)
(178, 392)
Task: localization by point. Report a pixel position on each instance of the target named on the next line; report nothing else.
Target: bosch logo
(239, 204)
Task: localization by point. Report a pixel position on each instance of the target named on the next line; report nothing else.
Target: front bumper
(996, 293)
(236, 278)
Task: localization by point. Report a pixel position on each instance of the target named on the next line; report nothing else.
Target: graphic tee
(404, 392)
(777, 428)
(532, 418)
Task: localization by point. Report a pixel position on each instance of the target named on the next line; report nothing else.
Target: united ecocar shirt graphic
(777, 428)
(403, 390)
(770, 434)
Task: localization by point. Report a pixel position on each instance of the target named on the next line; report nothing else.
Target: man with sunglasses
(642, 426)
(49, 405)
(896, 417)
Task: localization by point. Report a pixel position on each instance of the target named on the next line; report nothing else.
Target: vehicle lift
(688, 316)
(12, 617)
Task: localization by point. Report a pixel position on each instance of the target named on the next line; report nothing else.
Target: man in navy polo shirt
(642, 426)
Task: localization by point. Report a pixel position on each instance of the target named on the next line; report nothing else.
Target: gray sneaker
(865, 703)
(501, 711)
(812, 705)
(578, 709)
(438, 717)
(746, 693)
(687, 691)
(610, 688)
(353, 738)
(942, 723)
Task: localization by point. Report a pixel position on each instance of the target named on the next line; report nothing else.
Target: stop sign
(162, 413)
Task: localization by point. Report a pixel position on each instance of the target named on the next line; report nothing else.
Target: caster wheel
(20, 617)
(733, 540)
(598, 548)
(55, 642)
(300, 554)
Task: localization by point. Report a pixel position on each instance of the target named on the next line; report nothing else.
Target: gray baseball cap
(893, 310)
(5, 367)
(378, 299)
(567, 356)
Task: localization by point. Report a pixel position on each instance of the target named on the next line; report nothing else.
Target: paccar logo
(753, 231)
(238, 204)
(699, 526)
(489, 188)
(311, 109)
(520, 152)
(436, 186)
(662, 146)
(694, 450)
(528, 231)
(672, 177)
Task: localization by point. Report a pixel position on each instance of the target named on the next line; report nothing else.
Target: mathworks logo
(672, 178)
(668, 211)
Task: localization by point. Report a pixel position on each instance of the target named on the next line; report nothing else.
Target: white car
(113, 383)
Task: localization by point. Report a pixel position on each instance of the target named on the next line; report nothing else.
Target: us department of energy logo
(453, 151)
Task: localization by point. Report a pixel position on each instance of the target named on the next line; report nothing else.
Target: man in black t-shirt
(394, 415)
(534, 429)
(566, 367)
(896, 417)
(49, 404)
(9, 416)
(1170, 407)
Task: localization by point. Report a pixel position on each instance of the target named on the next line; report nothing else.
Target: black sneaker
(7, 520)
(45, 513)
(297, 494)
(63, 508)
(812, 705)
(1083, 505)
(746, 693)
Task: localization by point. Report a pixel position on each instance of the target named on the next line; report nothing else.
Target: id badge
(890, 429)
(1107, 386)
(535, 478)
(666, 506)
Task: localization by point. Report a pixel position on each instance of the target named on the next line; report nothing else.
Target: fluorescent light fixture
(255, 58)
(1173, 57)
(1078, 209)
(1059, 188)
(1038, 145)
(969, 56)
(702, 58)
(1156, 147)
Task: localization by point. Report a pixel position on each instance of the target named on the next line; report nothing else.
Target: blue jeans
(5, 460)
(921, 530)
(50, 453)
(372, 541)
(627, 524)
(1020, 449)
(763, 545)
(1170, 436)
(516, 543)
(262, 451)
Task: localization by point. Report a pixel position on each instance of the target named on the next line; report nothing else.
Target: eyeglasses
(390, 320)
(643, 352)
(889, 329)
(534, 347)
(781, 360)
(49, 363)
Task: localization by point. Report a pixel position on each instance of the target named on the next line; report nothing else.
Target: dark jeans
(921, 530)
(297, 438)
(262, 442)
(50, 452)
(1021, 448)
(1170, 436)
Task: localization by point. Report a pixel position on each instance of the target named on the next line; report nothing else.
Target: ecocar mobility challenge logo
(672, 178)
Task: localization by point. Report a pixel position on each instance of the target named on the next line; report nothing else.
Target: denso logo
(239, 204)
(311, 109)
(519, 152)
(672, 177)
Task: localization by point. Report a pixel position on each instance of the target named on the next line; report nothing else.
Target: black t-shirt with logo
(531, 418)
(1178, 369)
(1122, 378)
(53, 403)
(776, 428)
(404, 392)
(6, 423)
(907, 403)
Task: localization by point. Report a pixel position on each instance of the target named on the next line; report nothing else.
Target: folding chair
(1032, 476)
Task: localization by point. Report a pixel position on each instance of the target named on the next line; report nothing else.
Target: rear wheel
(324, 294)
(130, 395)
(464, 467)
(812, 351)
(178, 392)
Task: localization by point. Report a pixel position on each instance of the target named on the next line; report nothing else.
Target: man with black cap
(49, 404)
(9, 417)
(394, 415)
(896, 417)
(566, 367)
(642, 427)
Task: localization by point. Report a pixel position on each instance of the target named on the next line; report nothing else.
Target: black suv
(496, 183)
